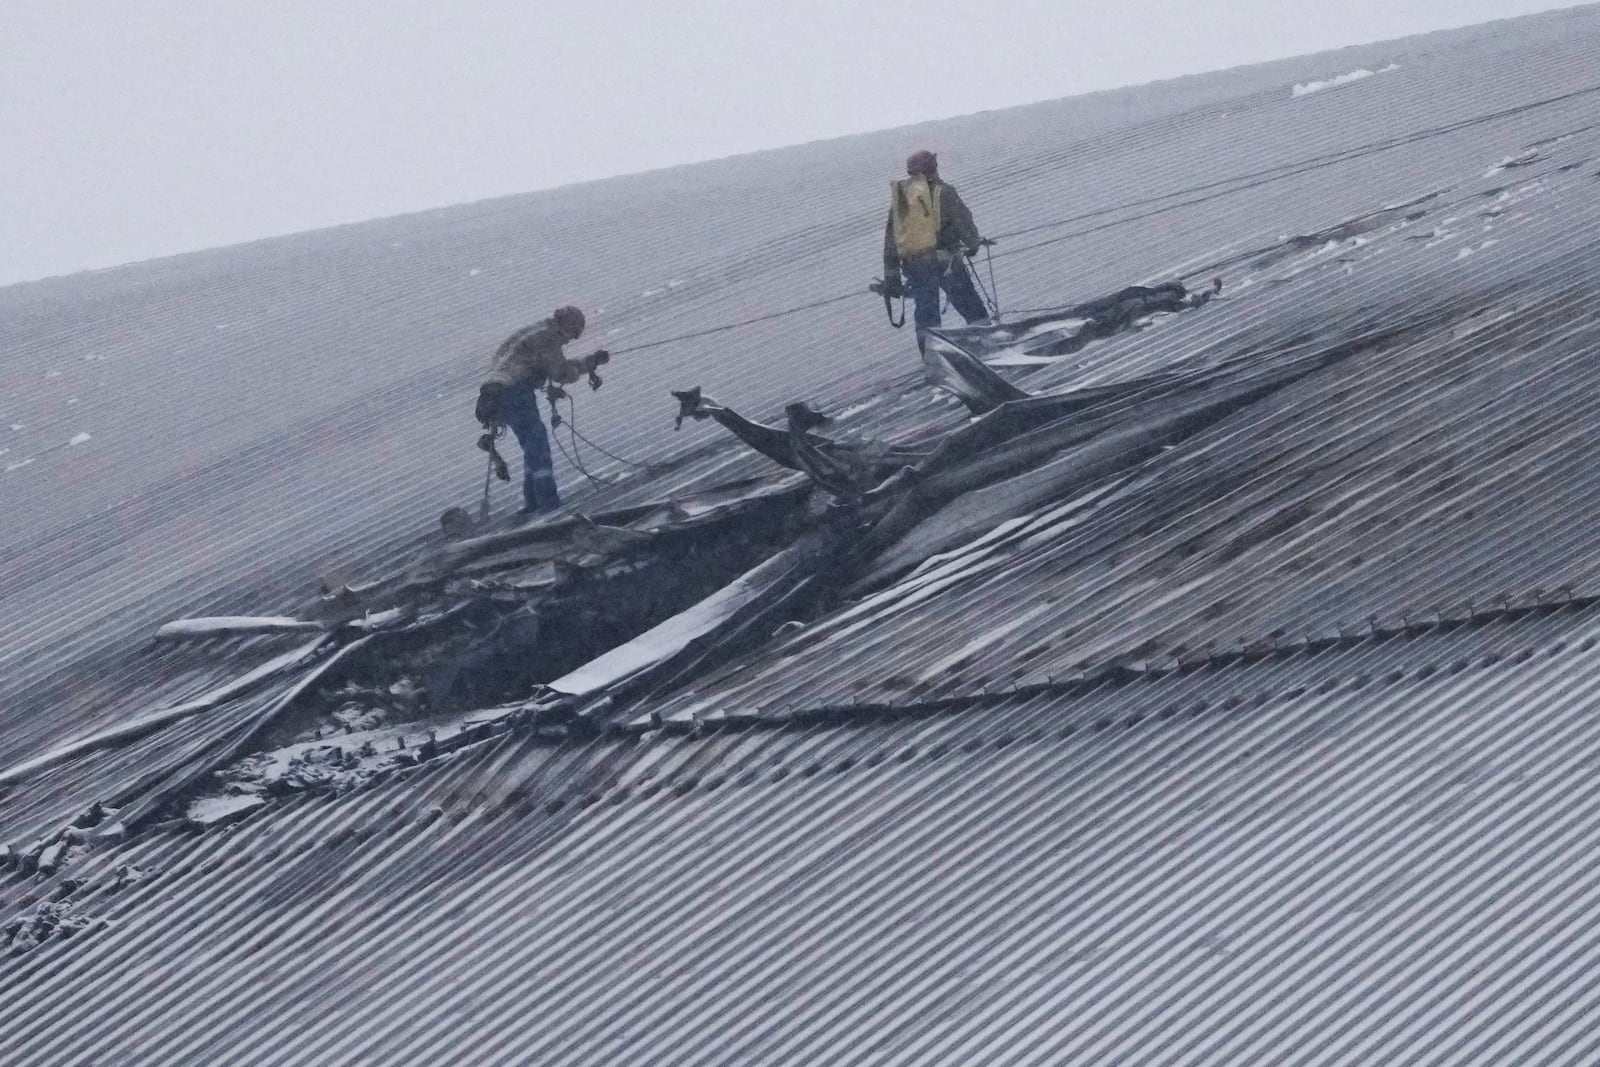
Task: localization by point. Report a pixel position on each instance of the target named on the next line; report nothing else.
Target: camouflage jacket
(533, 356)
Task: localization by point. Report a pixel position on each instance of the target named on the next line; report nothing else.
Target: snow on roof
(1307, 88)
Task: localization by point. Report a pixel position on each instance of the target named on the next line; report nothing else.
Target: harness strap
(888, 308)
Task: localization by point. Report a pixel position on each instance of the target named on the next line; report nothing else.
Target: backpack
(914, 209)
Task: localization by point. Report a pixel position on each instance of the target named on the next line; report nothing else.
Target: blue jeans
(521, 413)
(926, 276)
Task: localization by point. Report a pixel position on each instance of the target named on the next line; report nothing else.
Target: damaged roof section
(1058, 534)
(1150, 484)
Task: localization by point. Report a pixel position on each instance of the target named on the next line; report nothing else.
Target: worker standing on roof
(525, 362)
(929, 228)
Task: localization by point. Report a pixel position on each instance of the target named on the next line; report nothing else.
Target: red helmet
(923, 163)
(570, 321)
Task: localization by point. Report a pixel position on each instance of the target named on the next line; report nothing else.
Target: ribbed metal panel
(1379, 851)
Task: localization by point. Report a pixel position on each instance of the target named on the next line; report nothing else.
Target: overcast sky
(136, 128)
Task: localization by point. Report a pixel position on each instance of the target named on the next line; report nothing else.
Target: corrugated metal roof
(1197, 868)
(1298, 766)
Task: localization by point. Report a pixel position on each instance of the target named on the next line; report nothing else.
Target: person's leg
(963, 294)
(539, 491)
(922, 278)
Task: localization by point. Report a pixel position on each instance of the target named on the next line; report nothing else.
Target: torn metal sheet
(961, 359)
(137, 727)
(747, 595)
(234, 626)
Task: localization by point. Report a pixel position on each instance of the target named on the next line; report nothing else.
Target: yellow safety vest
(914, 206)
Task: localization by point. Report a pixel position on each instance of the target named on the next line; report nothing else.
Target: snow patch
(19, 465)
(1521, 159)
(79, 439)
(856, 409)
(52, 374)
(1063, 326)
(1360, 74)
(16, 426)
(218, 811)
(219, 625)
(1012, 358)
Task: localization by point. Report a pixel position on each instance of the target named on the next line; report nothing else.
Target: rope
(1255, 179)
(838, 298)
(888, 309)
(572, 459)
(1261, 250)
(572, 427)
(488, 470)
(994, 286)
(990, 300)
(556, 420)
(1213, 190)
(574, 456)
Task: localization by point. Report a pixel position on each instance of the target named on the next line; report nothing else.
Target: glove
(892, 285)
(598, 358)
(491, 403)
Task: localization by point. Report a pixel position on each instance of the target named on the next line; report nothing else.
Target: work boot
(529, 511)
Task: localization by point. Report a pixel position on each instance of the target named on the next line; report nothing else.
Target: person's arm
(959, 219)
(563, 371)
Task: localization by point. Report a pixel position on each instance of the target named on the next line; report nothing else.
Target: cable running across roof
(1212, 190)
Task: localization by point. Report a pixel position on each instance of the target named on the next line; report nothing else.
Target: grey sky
(139, 128)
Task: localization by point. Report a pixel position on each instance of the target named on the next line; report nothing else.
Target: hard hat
(570, 320)
(924, 163)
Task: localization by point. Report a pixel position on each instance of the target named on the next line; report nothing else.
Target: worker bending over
(526, 362)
